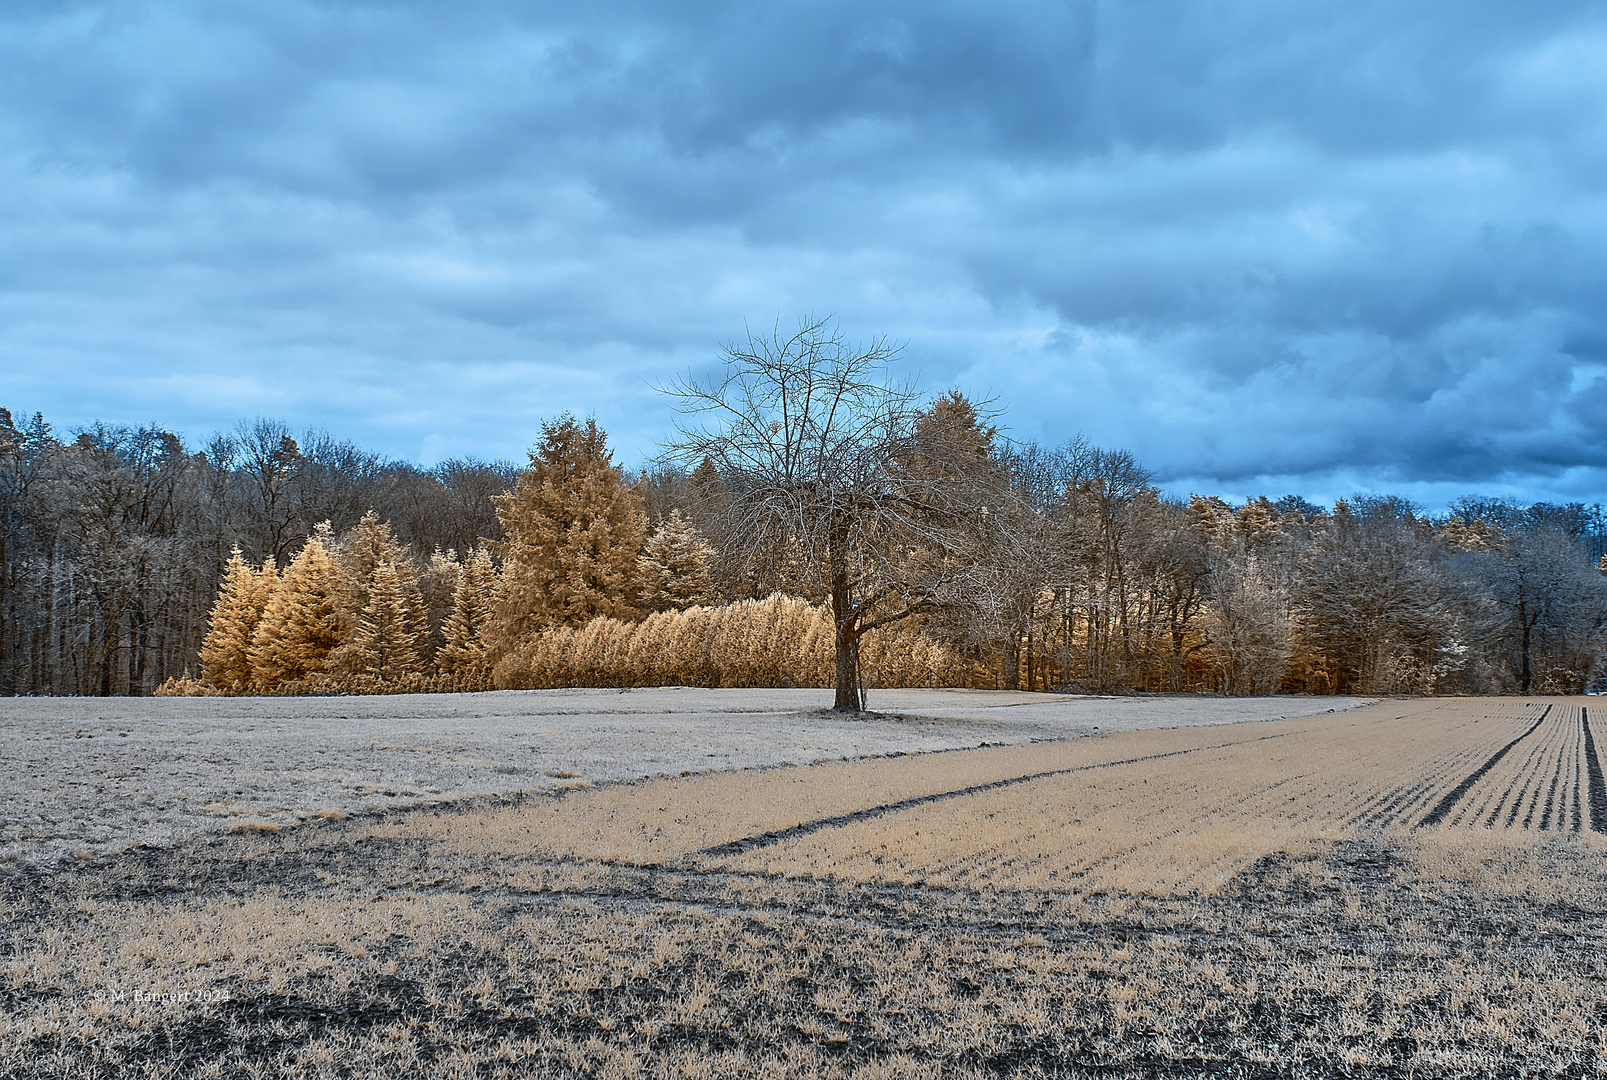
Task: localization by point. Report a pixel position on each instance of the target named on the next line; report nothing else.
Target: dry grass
(1251, 900)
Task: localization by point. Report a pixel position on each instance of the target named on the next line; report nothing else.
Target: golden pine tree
(437, 582)
(226, 652)
(301, 625)
(676, 568)
(574, 531)
(463, 651)
(385, 644)
(369, 545)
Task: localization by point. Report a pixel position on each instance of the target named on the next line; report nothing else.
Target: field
(89, 777)
(1410, 888)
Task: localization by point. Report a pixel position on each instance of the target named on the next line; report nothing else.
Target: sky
(1268, 248)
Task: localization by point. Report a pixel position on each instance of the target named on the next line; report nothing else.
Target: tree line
(811, 523)
(114, 540)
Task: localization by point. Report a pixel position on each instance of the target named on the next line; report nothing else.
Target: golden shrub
(777, 641)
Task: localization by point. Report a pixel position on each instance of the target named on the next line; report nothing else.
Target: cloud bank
(1267, 248)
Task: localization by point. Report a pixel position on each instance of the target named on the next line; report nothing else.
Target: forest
(922, 548)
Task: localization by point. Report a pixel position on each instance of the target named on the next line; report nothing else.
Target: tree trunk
(1011, 675)
(1175, 661)
(1524, 675)
(846, 624)
(848, 693)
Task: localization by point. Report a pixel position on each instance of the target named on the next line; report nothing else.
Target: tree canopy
(822, 455)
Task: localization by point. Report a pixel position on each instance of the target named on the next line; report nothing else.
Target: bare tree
(1375, 614)
(1549, 608)
(270, 464)
(818, 454)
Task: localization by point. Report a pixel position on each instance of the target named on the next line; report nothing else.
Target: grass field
(1414, 888)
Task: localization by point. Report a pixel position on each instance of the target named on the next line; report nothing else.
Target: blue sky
(1267, 247)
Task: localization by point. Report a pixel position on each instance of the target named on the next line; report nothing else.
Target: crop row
(1191, 822)
(1158, 812)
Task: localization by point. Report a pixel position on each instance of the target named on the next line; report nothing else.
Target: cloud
(1256, 245)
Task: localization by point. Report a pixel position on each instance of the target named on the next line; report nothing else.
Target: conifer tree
(301, 625)
(676, 568)
(415, 615)
(268, 579)
(369, 545)
(226, 652)
(464, 649)
(385, 643)
(360, 552)
(573, 533)
(437, 582)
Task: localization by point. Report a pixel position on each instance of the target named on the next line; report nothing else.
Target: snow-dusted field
(83, 777)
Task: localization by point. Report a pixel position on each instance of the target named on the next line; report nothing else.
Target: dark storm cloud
(1268, 247)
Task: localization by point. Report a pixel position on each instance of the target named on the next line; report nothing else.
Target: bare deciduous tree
(818, 453)
(1549, 608)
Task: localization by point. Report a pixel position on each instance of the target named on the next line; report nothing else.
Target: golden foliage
(301, 625)
(242, 599)
(777, 641)
(185, 686)
(574, 531)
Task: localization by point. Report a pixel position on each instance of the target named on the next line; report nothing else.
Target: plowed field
(1411, 888)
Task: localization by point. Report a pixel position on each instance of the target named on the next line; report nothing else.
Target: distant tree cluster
(114, 541)
(348, 613)
(812, 524)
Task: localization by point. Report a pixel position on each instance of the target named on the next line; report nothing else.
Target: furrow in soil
(1598, 784)
(1455, 795)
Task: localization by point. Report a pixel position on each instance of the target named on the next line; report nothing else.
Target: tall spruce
(385, 644)
(301, 625)
(367, 546)
(464, 631)
(676, 568)
(226, 652)
(437, 582)
(573, 533)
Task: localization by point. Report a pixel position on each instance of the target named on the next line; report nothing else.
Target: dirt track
(91, 776)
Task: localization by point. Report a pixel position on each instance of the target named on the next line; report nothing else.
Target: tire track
(1454, 796)
(1577, 823)
(1533, 773)
(1402, 801)
(1598, 784)
(1517, 785)
(776, 836)
(1536, 782)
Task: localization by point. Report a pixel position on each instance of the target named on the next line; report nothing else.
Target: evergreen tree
(464, 631)
(385, 644)
(437, 582)
(676, 568)
(574, 531)
(301, 625)
(415, 615)
(369, 545)
(226, 652)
